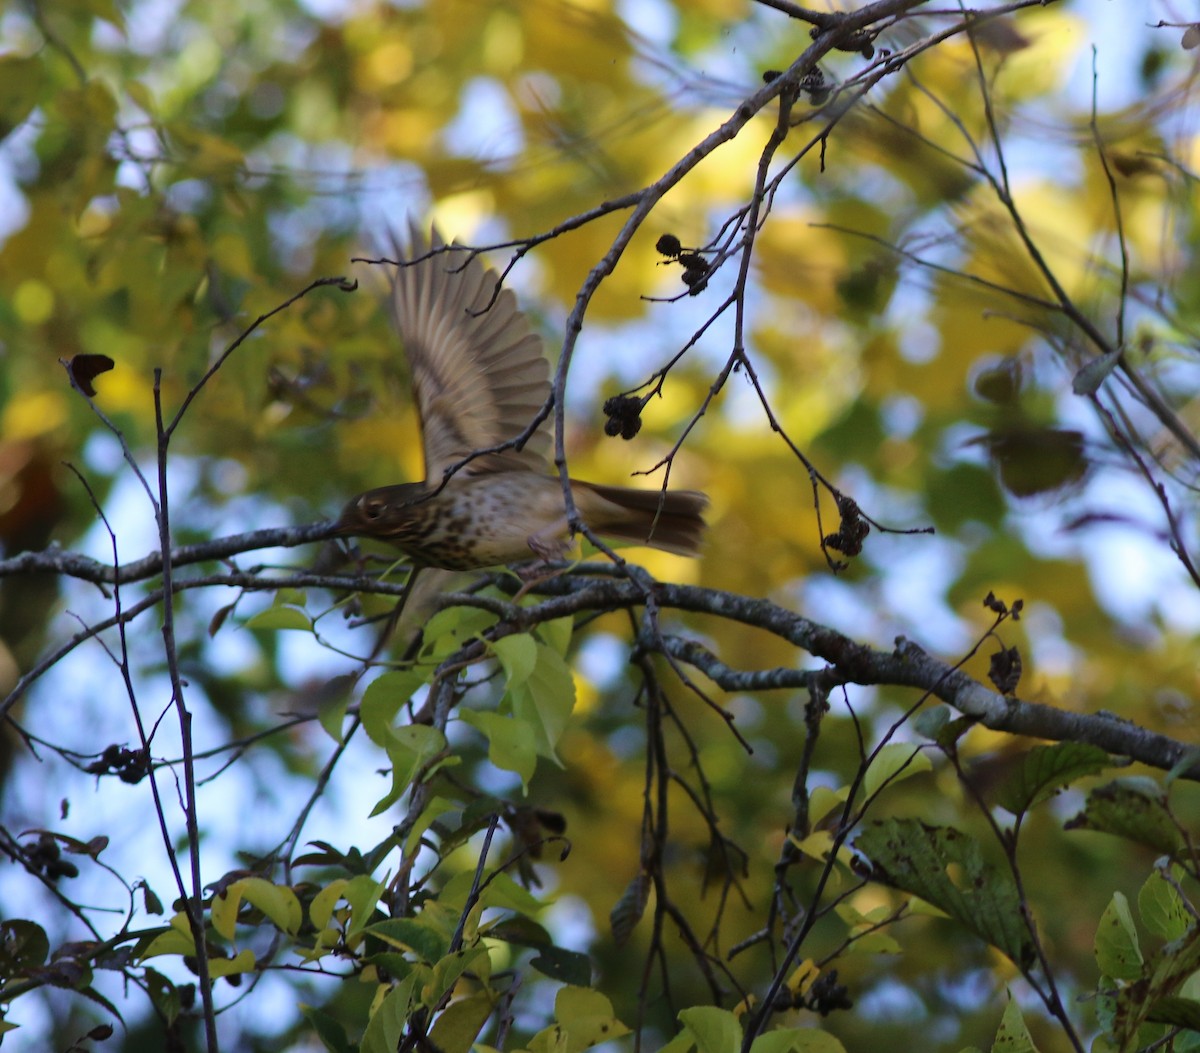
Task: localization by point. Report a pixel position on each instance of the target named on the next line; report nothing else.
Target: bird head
(381, 512)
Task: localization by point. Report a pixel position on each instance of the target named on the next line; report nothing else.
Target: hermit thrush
(479, 377)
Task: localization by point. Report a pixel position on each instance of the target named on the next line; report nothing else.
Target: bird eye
(371, 507)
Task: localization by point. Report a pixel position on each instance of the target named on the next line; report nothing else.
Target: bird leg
(547, 544)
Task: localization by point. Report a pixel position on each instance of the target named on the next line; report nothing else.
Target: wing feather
(479, 372)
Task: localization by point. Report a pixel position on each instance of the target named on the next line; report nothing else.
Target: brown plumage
(479, 377)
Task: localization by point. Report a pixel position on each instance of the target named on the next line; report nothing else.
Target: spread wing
(478, 371)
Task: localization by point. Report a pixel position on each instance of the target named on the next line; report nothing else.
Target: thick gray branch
(600, 587)
(55, 560)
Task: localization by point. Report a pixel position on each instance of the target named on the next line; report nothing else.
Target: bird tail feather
(670, 520)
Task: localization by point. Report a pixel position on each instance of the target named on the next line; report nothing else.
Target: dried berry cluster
(128, 765)
(624, 413)
(695, 267)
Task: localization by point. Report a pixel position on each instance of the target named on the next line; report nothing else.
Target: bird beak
(346, 524)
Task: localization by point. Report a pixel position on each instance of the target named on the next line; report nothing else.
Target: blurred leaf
(1162, 908)
(1044, 770)
(1013, 1035)
(22, 81)
(963, 493)
(945, 867)
(796, 1040)
(280, 618)
(389, 1019)
(1095, 371)
(565, 966)
(628, 910)
(426, 941)
(1178, 1012)
(585, 1019)
(1135, 809)
(1000, 384)
(328, 1029)
(413, 747)
(1117, 951)
(382, 700)
(242, 962)
(459, 1024)
(1034, 460)
(714, 1030)
(893, 763)
(23, 946)
(510, 744)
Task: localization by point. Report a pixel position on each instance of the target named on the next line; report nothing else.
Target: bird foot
(531, 575)
(547, 548)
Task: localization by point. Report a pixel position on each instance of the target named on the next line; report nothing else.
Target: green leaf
(1135, 809)
(434, 809)
(1044, 770)
(519, 929)
(331, 715)
(21, 83)
(382, 700)
(362, 894)
(242, 962)
(558, 963)
(823, 800)
(893, 763)
(557, 634)
(1178, 1012)
(499, 891)
(1095, 371)
(414, 746)
(388, 1021)
(1162, 908)
(1189, 759)
(518, 655)
(223, 913)
(24, 945)
(796, 1040)
(1164, 976)
(1035, 460)
(427, 941)
(447, 972)
(544, 701)
(163, 994)
(459, 1024)
(175, 939)
(450, 628)
(715, 1030)
(328, 1029)
(1117, 952)
(320, 910)
(510, 744)
(930, 721)
(585, 1019)
(875, 943)
(277, 902)
(393, 963)
(1013, 1036)
(280, 618)
(945, 867)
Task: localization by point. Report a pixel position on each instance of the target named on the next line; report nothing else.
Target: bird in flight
(480, 377)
